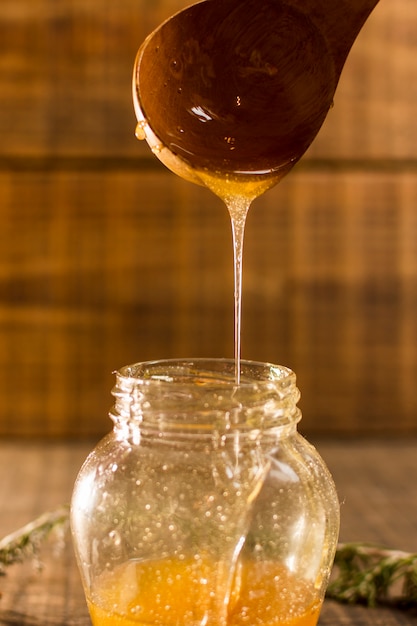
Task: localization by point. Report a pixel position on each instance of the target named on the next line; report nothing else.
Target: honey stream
(238, 196)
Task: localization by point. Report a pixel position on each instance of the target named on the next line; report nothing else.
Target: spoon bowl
(235, 87)
(241, 88)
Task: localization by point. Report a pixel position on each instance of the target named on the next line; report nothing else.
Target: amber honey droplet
(140, 131)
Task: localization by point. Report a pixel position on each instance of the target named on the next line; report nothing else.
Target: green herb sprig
(26, 542)
(374, 576)
(362, 573)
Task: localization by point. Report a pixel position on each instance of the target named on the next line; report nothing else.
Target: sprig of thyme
(371, 575)
(362, 573)
(26, 542)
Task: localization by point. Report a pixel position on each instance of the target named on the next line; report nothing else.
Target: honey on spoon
(231, 93)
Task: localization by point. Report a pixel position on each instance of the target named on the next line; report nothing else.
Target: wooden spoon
(240, 87)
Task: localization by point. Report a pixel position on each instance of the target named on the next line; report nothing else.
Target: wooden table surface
(377, 487)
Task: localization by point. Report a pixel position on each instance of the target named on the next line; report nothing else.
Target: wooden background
(106, 258)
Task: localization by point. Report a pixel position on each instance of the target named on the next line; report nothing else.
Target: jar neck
(199, 397)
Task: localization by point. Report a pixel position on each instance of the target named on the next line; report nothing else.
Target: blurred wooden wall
(106, 258)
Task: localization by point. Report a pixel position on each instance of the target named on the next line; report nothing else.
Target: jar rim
(173, 393)
(207, 371)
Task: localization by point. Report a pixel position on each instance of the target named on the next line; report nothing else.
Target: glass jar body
(205, 505)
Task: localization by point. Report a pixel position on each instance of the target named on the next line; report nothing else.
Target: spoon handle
(339, 21)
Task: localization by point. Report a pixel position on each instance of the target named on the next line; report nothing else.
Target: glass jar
(204, 506)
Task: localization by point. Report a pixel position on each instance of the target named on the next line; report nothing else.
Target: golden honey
(174, 592)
